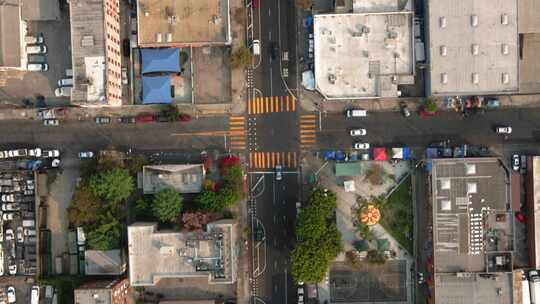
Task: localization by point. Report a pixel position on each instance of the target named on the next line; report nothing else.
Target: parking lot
(18, 255)
(16, 85)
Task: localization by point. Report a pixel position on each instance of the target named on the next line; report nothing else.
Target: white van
(62, 91)
(66, 82)
(36, 49)
(28, 223)
(37, 67)
(34, 296)
(256, 47)
(356, 113)
(33, 39)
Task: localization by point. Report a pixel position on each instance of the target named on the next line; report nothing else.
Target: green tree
(114, 185)
(431, 105)
(228, 197)
(209, 201)
(233, 177)
(308, 263)
(324, 201)
(84, 208)
(105, 237)
(310, 225)
(167, 205)
(376, 257)
(241, 57)
(170, 111)
(330, 243)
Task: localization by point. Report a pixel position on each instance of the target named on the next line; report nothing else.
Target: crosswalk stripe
(249, 106)
(294, 160)
(250, 160)
(293, 103)
(308, 115)
(307, 140)
(271, 106)
(307, 135)
(236, 118)
(266, 105)
(287, 102)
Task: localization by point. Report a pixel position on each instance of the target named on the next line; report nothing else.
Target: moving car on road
(279, 171)
(145, 118)
(358, 132)
(361, 146)
(127, 119)
(51, 122)
(51, 153)
(516, 165)
(404, 109)
(503, 130)
(102, 120)
(356, 113)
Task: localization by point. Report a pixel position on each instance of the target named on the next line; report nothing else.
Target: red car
(145, 118)
(184, 118)
(428, 114)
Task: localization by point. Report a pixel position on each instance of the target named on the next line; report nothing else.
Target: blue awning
(156, 89)
(160, 60)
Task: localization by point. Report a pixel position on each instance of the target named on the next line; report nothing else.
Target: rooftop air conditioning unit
(158, 37)
(474, 20)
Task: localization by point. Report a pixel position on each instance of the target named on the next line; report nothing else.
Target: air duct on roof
(505, 49)
(443, 50)
(444, 78)
(505, 78)
(474, 20)
(475, 78)
(475, 49)
(504, 19)
(442, 22)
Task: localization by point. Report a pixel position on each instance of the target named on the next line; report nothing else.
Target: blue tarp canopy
(329, 155)
(160, 60)
(156, 89)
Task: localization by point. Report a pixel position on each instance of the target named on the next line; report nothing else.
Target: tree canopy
(84, 209)
(105, 237)
(167, 205)
(320, 240)
(114, 185)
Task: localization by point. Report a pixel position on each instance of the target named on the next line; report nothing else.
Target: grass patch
(397, 216)
(64, 286)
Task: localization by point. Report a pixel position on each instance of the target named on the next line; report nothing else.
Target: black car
(127, 119)
(126, 47)
(274, 50)
(161, 118)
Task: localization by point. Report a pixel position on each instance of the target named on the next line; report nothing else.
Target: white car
(9, 198)
(20, 235)
(29, 232)
(36, 49)
(86, 154)
(12, 267)
(503, 130)
(361, 146)
(358, 132)
(8, 216)
(11, 293)
(51, 153)
(4, 155)
(35, 152)
(10, 207)
(516, 165)
(10, 235)
(51, 122)
(18, 153)
(34, 296)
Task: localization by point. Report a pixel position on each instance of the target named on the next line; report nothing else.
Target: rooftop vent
(443, 50)
(475, 49)
(169, 37)
(471, 188)
(146, 13)
(474, 20)
(87, 41)
(446, 205)
(504, 19)
(158, 37)
(332, 78)
(470, 169)
(442, 22)
(445, 184)
(505, 78)
(444, 78)
(505, 49)
(475, 78)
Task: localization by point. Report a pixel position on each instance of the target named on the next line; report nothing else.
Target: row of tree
(319, 241)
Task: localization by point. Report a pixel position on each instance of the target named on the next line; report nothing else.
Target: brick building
(103, 291)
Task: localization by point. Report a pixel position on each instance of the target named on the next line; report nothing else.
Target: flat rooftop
(470, 288)
(473, 47)
(182, 178)
(10, 35)
(88, 51)
(159, 254)
(471, 215)
(362, 55)
(186, 22)
(533, 202)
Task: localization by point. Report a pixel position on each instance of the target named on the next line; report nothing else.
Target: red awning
(379, 154)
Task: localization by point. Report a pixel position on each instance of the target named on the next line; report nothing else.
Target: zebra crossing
(237, 133)
(269, 160)
(271, 104)
(308, 131)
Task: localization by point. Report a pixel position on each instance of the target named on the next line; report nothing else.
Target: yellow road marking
(277, 158)
(274, 158)
(311, 135)
(287, 103)
(294, 160)
(251, 160)
(268, 160)
(272, 105)
(266, 105)
(308, 115)
(289, 159)
(249, 107)
(282, 101)
(236, 118)
(307, 140)
(293, 104)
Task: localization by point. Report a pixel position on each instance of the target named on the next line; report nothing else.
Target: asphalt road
(75, 136)
(392, 129)
(275, 210)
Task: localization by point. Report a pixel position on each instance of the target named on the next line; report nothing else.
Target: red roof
(379, 154)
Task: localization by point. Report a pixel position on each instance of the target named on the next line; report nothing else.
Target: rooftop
(93, 296)
(88, 51)
(41, 10)
(362, 55)
(10, 35)
(182, 178)
(471, 217)
(473, 47)
(158, 254)
(169, 22)
(534, 211)
(467, 288)
(110, 262)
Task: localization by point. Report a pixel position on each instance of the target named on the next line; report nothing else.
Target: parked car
(101, 120)
(184, 117)
(9, 235)
(358, 132)
(11, 290)
(361, 146)
(12, 269)
(20, 235)
(279, 172)
(145, 118)
(62, 92)
(29, 39)
(37, 58)
(8, 216)
(36, 49)
(161, 118)
(86, 154)
(256, 47)
(18, 153)
(516, 163)
(34, 295)
(65, 82)
(35, 152)
(10, 207)
(9, 198)
(37, 67)
(124, 76)
(29, 232)
(503, 130)
(127, 119)
(404, 109)
(274, 50)
(51, 153)
(126, 48)
(51, 122)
